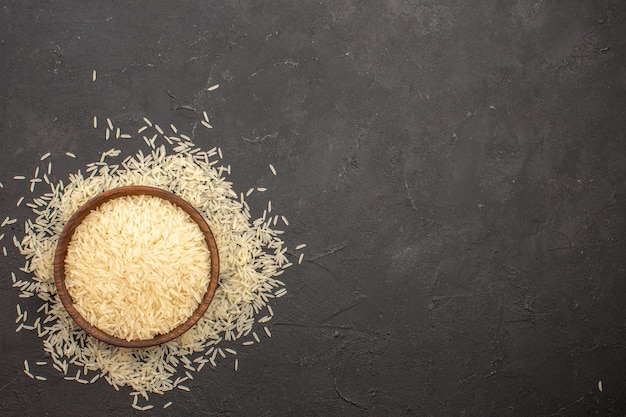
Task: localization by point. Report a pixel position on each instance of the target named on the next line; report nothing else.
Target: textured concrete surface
(457, 168)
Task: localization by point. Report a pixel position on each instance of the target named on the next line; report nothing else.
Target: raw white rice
(213, 87)
(251, 258)
(301, 246)
(272, 169)
(95, 122)
(44, 156)
(93, 75)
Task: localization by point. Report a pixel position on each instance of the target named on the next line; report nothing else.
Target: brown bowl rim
(79, 216)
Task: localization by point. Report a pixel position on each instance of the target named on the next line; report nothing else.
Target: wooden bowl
(66, 237)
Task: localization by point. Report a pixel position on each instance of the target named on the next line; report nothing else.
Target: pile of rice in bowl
(251, 252)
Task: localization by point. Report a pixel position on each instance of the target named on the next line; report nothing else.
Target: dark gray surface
(457, 169)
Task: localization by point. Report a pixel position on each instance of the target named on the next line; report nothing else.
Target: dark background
(457, 168)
